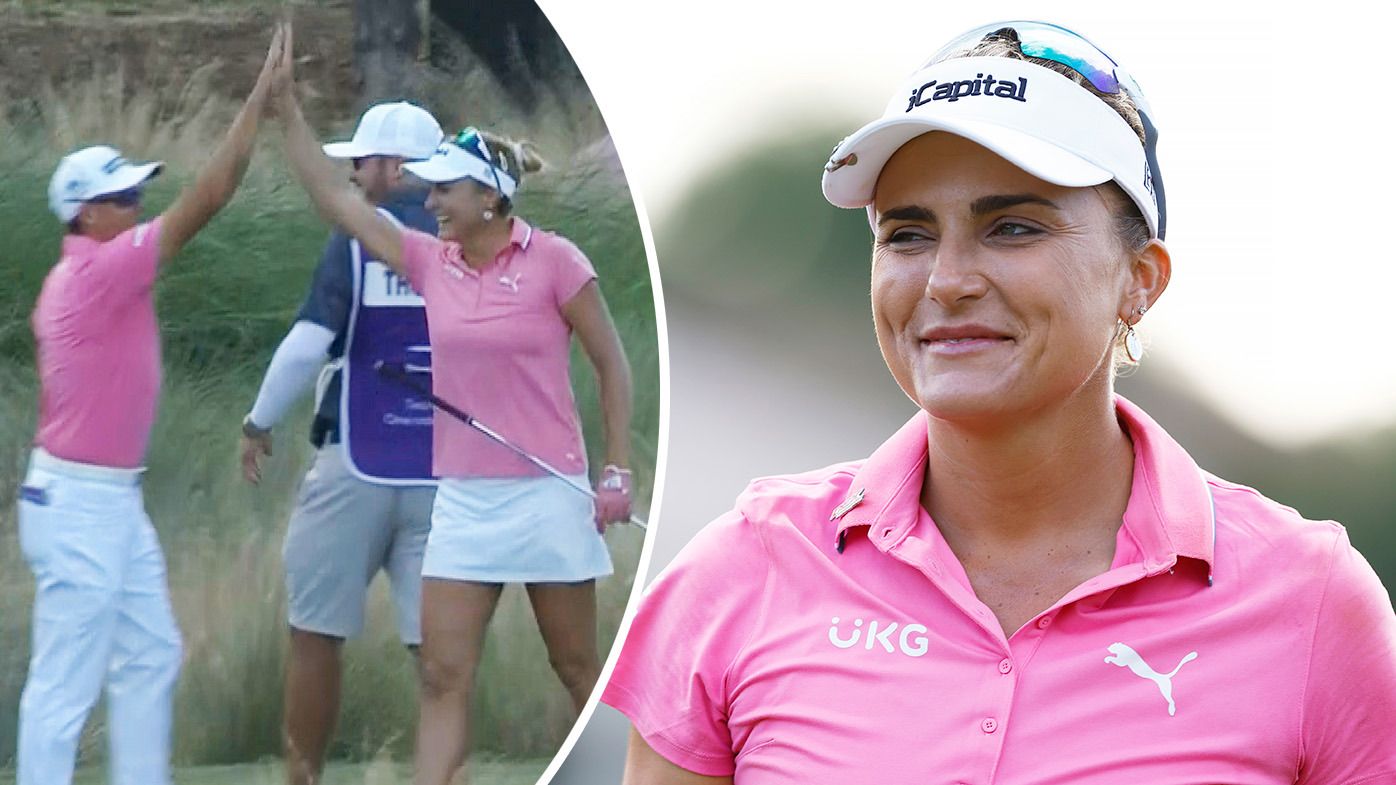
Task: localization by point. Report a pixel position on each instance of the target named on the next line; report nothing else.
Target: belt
(42, 459)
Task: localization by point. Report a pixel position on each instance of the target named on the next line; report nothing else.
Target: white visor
(451, 163)
(1037, 119)
(93, 172)
(127, 177)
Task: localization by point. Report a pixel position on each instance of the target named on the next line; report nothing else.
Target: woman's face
(993, 292)
(460, 208)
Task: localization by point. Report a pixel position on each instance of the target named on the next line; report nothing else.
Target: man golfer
(366, 502)
(101, 605)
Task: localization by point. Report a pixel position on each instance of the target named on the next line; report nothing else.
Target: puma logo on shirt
(1125, 657)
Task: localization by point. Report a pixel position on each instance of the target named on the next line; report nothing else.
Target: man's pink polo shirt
(1230, 642)
(98, 347)
(500, 350)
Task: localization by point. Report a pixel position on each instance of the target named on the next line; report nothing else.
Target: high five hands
(280, 65)
(267, 77)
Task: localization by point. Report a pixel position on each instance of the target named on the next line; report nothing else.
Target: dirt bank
(156, 52)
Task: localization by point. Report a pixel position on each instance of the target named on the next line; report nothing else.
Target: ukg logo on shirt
(911, 641)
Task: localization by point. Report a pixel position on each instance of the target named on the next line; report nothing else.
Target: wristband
(614, 478)
(252, 430)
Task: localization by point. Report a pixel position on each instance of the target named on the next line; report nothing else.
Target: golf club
(398, 372)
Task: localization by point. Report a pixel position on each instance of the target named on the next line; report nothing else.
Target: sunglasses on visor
(470, 139)
(130, 197)
(1047, 41)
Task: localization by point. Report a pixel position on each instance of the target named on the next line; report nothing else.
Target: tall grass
(223, 306)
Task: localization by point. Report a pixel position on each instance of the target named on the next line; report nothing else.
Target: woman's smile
(991, 289)
(962, 340)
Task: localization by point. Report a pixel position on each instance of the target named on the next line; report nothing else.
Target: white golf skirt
(514, 530)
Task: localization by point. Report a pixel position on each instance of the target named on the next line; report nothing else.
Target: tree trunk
(389, 36)
(514, 40)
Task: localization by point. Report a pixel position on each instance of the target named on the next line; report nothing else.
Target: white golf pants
(101, 613)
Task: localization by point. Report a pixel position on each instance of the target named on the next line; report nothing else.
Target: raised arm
(218, 180)
(334, 197)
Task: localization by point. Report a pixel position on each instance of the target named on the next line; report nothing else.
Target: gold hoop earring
(1134, 348)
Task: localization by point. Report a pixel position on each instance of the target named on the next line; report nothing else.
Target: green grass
(379, 772)
(223, 306)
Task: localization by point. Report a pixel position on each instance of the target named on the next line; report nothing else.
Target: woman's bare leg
(566, 615)
(454, 617)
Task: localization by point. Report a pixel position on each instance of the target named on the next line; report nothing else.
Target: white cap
(398, 129)
(92, 172)
(1037, 119)
(452, 162)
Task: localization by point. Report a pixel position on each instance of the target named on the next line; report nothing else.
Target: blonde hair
(514, 157)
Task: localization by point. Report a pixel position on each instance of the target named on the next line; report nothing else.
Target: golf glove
(612, 497)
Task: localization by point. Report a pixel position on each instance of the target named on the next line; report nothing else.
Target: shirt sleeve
(419, 252)
(126, 265)
(332, 288)
(671, 678)
(1350, 698)
(293, 370)
(571, 271)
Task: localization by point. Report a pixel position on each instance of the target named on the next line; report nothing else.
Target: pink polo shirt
(98, 347)
(764, 652)
(500, 351)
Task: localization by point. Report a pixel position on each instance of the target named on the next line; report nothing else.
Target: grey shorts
(342, 532)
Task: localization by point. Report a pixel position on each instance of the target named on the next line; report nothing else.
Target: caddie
(365, 505)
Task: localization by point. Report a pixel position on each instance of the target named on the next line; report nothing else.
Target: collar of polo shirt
(1180, 522)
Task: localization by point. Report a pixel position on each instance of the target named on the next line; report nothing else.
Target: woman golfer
(1030, 582)
(503, 300)
(101, 605)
